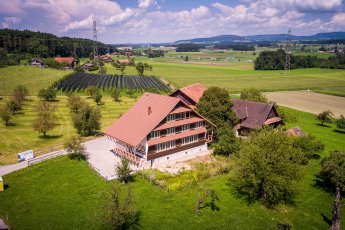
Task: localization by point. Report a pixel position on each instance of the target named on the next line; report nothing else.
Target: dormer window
(170, 117)
(155, 134)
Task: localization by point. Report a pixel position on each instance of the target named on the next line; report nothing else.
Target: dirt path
(309, 101)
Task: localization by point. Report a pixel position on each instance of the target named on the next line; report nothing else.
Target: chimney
(149, 110)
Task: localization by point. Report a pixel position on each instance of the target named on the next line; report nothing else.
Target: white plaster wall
(176, 156)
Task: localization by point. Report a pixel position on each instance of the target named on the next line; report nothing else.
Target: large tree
(45, 120)
(227, 143)
(87, 120)
(216, 105)
(253, 94)
(333, 174)
(268, 167)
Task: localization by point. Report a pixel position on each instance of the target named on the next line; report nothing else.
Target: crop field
(67, 194)
(32, 77)
(20, 136)
(80, 81)
(309, 101)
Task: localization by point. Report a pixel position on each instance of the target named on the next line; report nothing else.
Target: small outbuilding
(37, 62)
(24, 156)
(295, 132)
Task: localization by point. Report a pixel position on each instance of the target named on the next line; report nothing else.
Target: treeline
(275, 60)
(237, 47)
(48, 45)
(190, 47)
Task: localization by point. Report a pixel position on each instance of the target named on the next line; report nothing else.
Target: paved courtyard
(101, 158)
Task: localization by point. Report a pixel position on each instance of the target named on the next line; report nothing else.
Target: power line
(288, 51)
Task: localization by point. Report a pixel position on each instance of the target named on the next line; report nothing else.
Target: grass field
(33, 78)
(65, 194)
(21, 136)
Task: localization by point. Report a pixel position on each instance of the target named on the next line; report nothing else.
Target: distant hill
(265, 37)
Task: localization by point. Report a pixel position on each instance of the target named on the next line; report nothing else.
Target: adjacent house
(37, 62)
(254, 115)
(70, 60)
(190, 94)
(159, 128)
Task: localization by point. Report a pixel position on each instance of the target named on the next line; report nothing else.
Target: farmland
(80, 81)
(33, 78)
(66, 194)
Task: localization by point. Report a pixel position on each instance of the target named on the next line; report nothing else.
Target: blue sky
(139, 21)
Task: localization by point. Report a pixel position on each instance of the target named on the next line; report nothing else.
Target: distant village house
(37, 62)
(71, 61)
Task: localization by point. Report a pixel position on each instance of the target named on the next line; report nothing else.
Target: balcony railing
(130, 156)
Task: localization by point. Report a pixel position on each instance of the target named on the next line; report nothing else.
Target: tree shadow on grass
(326, 219)
(323, 125)
(51, 137)
(339, 131)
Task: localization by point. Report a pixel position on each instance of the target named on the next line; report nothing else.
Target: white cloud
(148, 22)
(146, 4)
(8, 21)
(339, 19)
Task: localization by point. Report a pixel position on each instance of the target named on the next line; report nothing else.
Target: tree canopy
(216, 105)
(253, 94)
(268, 168)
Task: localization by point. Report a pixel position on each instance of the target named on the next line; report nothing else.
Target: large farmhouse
(159, 128)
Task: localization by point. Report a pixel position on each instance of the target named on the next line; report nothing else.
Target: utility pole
(95, 50)
(288, 52)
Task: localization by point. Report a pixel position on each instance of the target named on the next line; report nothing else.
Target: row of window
(172, 144)
(178, 116)
(170, 131)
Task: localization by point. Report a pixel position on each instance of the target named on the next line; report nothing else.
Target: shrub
(341, 122)
(48, 94)
(124, 171)
(75, 148)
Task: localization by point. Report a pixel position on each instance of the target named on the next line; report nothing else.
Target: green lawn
(21, 136)
(32, 77)
(64, 194)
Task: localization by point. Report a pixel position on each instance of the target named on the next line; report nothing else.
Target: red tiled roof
(176, 136)
(137, 122)
(69, 60)
(180, 110)
(272, 120)
(194, 91)
(295, 132)
(254, 113)
(178, 123)
(123, 61)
